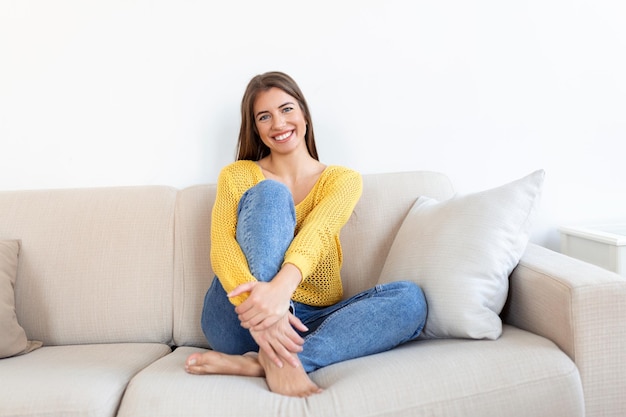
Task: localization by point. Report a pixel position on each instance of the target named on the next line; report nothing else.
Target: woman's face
(279, 121)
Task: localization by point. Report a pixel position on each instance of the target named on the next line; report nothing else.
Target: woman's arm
(227, 259)
(334, 204)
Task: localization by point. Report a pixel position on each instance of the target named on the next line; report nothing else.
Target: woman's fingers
(295, 322)
(280, 342)
(285, 354)
(242, 289)
(271, 354)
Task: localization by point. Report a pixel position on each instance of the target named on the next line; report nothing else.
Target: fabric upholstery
(461, 252)
(442, 377)
(581, 307)
(72, 381)
(193, 265)
(95, 264)
(13, 341)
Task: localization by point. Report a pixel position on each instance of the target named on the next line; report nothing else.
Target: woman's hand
(265, 305)
(267, 302)
(280, 340)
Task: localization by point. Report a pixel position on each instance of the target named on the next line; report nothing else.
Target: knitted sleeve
(227, 259)
(318, 234)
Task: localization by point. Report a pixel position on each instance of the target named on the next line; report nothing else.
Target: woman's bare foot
(288, 380)
(212, 362)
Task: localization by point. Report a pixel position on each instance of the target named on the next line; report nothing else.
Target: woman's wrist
(288, 279)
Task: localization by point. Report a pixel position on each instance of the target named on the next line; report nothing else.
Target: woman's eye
(263, 117)
(287, 109)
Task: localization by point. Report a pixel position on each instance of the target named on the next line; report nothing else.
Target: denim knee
(412, 301)
(419, 300)
(271, 190)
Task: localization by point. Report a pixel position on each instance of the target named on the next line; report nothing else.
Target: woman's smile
(283, 136)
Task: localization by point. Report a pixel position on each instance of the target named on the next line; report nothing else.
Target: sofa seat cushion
(519, 374)
(79, 380)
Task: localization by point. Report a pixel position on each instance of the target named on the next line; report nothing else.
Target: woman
(277, 257)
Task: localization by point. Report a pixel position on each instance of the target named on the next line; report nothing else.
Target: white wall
(126, 92)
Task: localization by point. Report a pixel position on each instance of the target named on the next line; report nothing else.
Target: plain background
(128, 92)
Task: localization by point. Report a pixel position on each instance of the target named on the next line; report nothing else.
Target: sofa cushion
(96, 264)
(13, 340)
(461, 252)
(520, 374)
(72, 381)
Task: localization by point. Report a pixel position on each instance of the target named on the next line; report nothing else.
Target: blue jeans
(370, 322)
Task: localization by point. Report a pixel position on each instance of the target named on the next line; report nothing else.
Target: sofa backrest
(366, 240)
(96, 265)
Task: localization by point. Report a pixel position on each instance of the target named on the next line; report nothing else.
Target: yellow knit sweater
(315, 249)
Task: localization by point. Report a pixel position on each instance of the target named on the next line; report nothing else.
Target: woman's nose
(279, 120)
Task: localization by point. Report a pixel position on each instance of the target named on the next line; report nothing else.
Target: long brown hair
(250, 146)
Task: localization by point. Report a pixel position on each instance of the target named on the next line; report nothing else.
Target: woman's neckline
(309, 193)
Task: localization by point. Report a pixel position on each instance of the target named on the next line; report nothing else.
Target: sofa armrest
(581, 308)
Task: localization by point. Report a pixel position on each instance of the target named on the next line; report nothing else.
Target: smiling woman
(250, 145)
(276, 307)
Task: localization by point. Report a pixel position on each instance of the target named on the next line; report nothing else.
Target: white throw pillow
(461, 252)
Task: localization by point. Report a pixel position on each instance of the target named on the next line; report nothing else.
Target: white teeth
(283, 136)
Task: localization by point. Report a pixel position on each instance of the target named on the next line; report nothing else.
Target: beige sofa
(111, 280)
